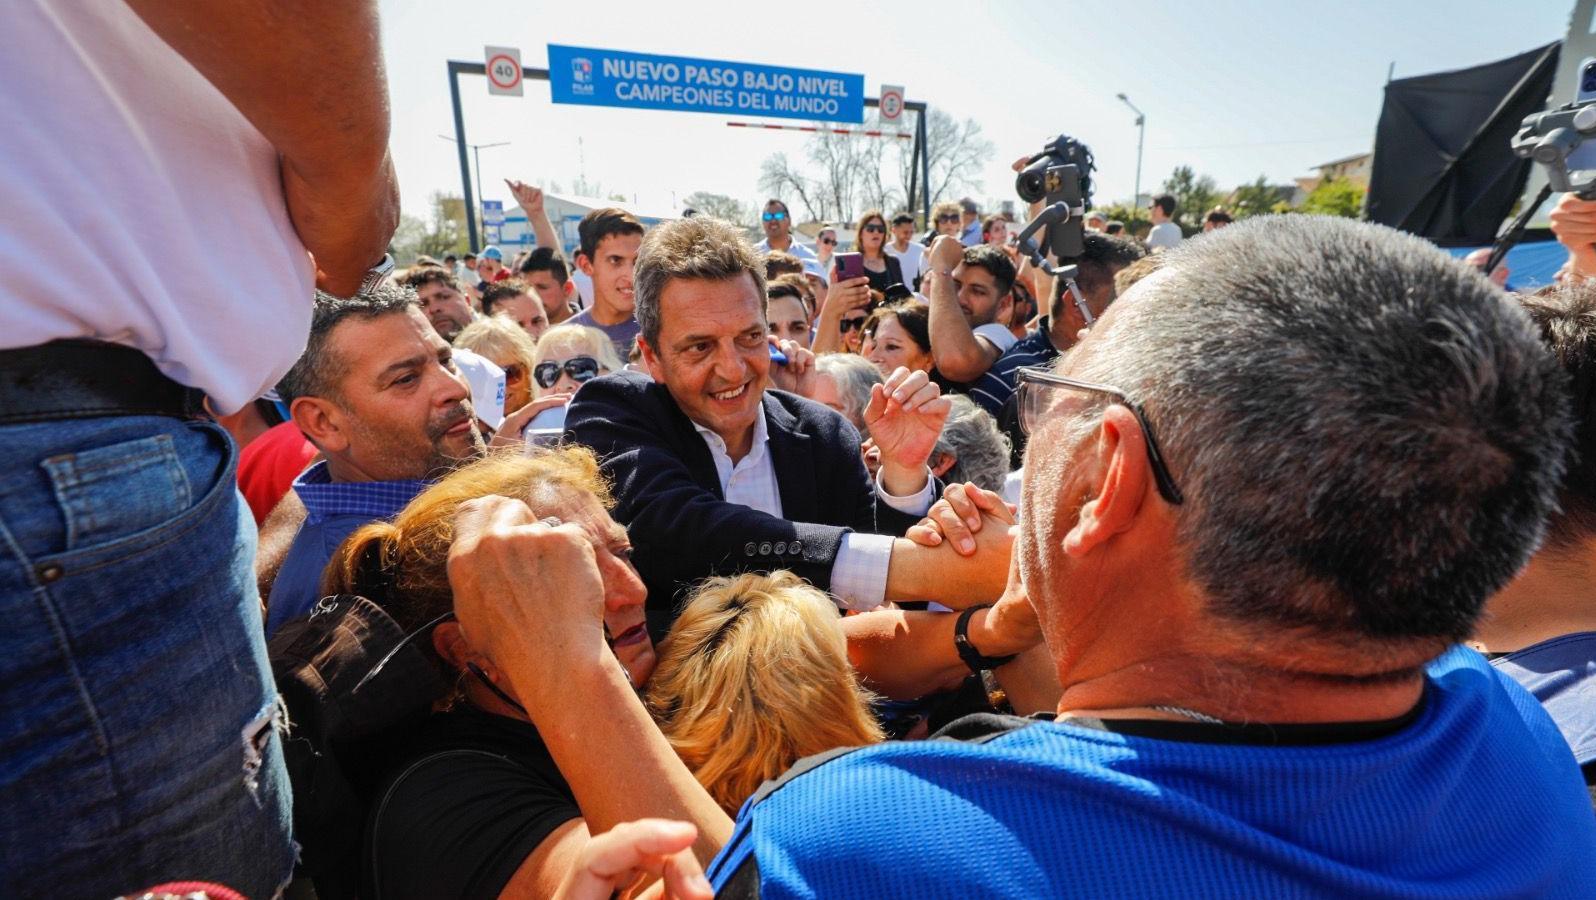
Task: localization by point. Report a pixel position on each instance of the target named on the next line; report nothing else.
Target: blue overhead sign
(590, 77)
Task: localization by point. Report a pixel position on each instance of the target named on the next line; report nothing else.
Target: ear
(570, 289)
(585, 264)
(450, 644)
(1116, 464)
(322, 422)
(941, 463)
(656, 369)
(1005, 310)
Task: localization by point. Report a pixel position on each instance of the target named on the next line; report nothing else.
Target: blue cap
(492, 252)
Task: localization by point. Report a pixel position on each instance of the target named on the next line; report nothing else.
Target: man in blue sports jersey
(1268, 495)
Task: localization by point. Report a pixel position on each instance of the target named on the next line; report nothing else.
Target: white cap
(813, 267)
(487, 386)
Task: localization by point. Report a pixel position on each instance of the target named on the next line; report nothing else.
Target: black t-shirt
(891, 275)
(470, 800)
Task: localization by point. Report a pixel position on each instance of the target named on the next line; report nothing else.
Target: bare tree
(720, 206)
(846, 174)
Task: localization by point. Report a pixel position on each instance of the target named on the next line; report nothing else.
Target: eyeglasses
(875, 227)
(773, 216)
(1035, 386)
(580, 368)
(847, 325)
(948, 218)
(828, 240)
(515, 372)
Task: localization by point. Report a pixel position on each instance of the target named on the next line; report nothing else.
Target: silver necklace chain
(1192, 714)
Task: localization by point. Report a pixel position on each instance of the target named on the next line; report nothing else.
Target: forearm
(959, 356)
(543, 229)
(939, 573)
(906, 654)
(828, 330)
(619, 765)
(315, 89)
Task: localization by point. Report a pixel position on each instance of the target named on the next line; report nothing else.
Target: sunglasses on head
(580, 368)
(875, 226)
(776, 216)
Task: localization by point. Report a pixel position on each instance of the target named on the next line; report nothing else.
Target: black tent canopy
(1443, 167)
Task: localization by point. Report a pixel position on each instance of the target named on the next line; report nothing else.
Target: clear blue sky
(1233, 89)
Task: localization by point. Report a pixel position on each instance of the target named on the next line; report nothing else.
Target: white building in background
(565, 211)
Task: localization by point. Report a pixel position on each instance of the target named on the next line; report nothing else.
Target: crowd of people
(1254, 562)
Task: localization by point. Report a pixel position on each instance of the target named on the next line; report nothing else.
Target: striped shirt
(994, 388)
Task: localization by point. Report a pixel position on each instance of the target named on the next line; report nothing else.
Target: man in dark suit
(714, 474)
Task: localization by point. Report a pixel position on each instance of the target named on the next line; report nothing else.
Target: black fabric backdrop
(1443, 167)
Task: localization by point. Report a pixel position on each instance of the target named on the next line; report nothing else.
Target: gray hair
(854, 376)
(699, 247)
(317, 371)
(979, 449)
(1369, 435)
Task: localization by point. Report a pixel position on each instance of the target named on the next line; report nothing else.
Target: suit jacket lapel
(694, 452)
(793, 464)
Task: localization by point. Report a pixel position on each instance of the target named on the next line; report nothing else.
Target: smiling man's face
(712, 354)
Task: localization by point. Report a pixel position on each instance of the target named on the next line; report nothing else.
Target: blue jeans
(137, 710)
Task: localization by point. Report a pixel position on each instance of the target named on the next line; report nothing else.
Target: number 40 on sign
(504, 70)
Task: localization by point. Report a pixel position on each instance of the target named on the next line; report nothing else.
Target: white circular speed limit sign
(504, 70)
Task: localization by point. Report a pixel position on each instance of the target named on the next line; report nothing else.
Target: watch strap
(972, 657)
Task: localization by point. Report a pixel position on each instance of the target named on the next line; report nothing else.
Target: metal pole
(476, 157)
(925, 166)
(1141, 135)
(465, 162)
(914, 174)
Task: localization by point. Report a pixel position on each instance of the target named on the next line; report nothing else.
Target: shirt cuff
(859, 574)
(915, 504)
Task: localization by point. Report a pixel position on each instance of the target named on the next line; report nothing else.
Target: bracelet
(967, 652)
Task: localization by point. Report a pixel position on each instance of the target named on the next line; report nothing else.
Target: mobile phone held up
(849, 265)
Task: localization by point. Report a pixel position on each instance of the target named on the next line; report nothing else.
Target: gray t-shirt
(623, 336)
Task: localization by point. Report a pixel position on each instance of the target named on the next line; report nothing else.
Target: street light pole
(476, 157)
(1141, 134)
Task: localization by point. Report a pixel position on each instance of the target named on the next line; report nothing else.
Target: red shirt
(268, 466)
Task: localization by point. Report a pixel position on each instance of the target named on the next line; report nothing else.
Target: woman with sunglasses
(569, 355)
(825, 245)
(871, 241)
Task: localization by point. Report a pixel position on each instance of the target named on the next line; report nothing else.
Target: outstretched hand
(905, 417)
(529, 198)
(960, 516)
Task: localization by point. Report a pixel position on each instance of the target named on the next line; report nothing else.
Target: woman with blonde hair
(481, 799)
(568, 355)
(754, 677)
(507, 346)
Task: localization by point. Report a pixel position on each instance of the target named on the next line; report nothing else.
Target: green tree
(1136, 222)
(1335, 197)
(442, 232)
(1258, 198)
(1194, 194)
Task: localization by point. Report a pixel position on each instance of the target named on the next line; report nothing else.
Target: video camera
(1061, 177)
(1554, 138)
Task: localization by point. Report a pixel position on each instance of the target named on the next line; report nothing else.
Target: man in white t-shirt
(1165, 233)
(971, 291)
(139, 738)
(909, 253)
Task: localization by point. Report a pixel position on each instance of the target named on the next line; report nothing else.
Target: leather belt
(81, 379)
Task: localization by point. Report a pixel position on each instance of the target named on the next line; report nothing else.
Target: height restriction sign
(504, 71)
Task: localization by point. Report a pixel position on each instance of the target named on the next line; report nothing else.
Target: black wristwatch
(967, 652)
